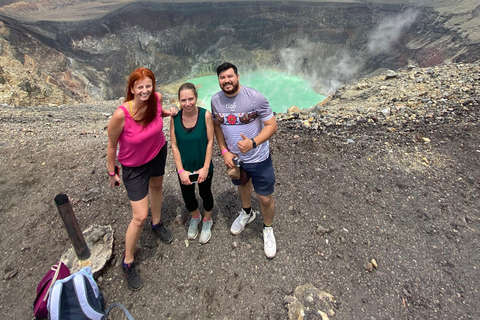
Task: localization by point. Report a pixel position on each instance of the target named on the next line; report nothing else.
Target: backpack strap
(118, 304)
(55, 276)
(54, 301)
(81, 292)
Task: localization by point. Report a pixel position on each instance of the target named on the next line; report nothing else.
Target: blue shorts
(136, 179)
(262, 175)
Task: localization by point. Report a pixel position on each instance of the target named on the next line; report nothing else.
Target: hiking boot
(242, 220)
(163, 233)
(193, 227)
(206, 233)
(134, 281)
(269, 243)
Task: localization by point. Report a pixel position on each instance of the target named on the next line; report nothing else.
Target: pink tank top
(139, 144)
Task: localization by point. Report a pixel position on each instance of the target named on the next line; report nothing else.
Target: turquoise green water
(282, 91)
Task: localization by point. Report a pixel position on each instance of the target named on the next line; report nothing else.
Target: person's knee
(265, 201)
(139, 221)
(156, 186)
(206, 194)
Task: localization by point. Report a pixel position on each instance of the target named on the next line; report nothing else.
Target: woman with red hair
(137, 128)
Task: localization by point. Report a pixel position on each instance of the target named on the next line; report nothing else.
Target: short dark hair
(225, 66)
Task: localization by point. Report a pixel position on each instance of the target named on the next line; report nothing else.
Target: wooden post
(73, 229)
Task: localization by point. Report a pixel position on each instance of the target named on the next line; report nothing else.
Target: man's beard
(233, 90)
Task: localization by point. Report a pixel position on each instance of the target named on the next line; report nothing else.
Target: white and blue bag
(78, 297)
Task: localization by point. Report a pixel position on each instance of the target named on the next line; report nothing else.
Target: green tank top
(192, 142)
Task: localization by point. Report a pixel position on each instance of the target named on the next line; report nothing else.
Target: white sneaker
(206, 233)
(242, 220)
(193, 227)
(269, 243)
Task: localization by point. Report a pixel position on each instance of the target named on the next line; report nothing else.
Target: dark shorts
(136, 179)
(262, 175)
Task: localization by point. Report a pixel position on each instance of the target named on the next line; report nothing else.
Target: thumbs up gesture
(245, 144)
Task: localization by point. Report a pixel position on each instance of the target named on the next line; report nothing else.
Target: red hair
(137, 75)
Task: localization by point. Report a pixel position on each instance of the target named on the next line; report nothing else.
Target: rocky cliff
(59, 61)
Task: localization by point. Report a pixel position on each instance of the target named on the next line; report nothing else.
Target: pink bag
(57, 272)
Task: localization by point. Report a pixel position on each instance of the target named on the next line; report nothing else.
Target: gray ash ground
(354, 184)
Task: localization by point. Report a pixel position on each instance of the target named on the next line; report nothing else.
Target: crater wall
(329, 43)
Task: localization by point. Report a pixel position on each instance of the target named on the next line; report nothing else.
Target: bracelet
(224, 151)
(181, 171)
(111, 174)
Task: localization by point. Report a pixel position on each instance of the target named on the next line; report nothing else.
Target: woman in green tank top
(191, 135)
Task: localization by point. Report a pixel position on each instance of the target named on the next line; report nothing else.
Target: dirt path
(406, 198)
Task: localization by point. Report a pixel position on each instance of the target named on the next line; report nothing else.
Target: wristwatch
(254, 144)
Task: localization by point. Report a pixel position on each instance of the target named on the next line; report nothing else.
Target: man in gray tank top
(244, 122)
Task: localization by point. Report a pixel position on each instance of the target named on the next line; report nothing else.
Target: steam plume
(389, 31)
(330, 72)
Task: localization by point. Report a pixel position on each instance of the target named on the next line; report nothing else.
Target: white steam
(341, 67)
(389, 31)
(293, 59)
(330, 71)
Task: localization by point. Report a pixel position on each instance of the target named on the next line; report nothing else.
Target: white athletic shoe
(193, 227)
(206, 233)
(242, 220)
(269, 243)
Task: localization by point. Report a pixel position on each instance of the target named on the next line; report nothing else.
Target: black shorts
(136, 179)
